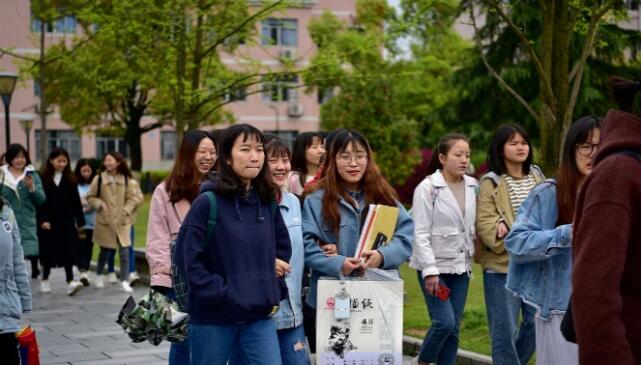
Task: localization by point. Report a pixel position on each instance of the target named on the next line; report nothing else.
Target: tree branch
(547, 86)
(251, 19)
(151, 126)
(495, 74)
(576, 75)
(6, 51)
(591, 36)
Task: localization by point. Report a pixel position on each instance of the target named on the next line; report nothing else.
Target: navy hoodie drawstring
(259, 218)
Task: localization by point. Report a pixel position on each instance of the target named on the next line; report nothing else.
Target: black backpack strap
(99, 185)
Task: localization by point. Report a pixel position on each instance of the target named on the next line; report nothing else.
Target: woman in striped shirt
(502, 191)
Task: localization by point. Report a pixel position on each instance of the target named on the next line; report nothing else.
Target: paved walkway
(82, 330)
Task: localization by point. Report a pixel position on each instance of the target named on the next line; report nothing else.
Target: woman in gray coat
(15, 294)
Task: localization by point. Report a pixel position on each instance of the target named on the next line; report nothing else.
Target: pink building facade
(286, 111)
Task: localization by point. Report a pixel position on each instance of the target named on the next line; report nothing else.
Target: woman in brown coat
(115, 196)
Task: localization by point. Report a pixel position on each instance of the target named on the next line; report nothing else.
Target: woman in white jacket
(444, 213)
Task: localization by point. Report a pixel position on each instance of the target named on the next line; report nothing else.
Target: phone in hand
(30, 173)
(442, 292)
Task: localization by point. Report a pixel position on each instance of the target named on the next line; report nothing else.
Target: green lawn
(474, 333)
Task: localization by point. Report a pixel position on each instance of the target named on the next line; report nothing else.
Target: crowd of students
(251, 226)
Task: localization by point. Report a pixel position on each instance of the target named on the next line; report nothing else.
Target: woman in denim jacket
(444, 212)
(15, 293)
(539, 244)
(332, 213)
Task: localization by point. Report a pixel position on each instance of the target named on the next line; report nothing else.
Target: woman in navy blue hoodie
(231, 277)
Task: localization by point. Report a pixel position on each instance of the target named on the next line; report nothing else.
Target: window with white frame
(106, 144)
(281, 88)
(65, 24)
(69, 140)
(279, 32)
(168, 145)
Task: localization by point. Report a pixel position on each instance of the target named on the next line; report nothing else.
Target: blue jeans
(510, 345)
(293, 350)
(132, 257)
(441, 341)
(213, 344)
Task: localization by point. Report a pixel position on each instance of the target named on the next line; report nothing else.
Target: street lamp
(7, 84)
(27, 124)
(272, 106)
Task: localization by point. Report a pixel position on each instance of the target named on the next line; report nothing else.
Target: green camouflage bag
(154, 318)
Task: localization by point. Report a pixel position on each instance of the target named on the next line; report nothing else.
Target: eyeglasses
(346, 158)
(586, 149)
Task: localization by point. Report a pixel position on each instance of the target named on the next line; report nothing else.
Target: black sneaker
(84, 278)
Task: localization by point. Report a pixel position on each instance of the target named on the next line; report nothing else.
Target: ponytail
(623, 91)
(444, 144)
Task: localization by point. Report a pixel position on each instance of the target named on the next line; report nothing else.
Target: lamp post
(272, 106)
(27, 124)
(7, 85)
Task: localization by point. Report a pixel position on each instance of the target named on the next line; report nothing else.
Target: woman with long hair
(606, 290)
(332, 214)
(115, 196)
(22, 188)
(169, 206)
(444, 213)
(226, 251)
(502, 190)
(540, 243)
(60, 219)
(309, 149)
(84, 174)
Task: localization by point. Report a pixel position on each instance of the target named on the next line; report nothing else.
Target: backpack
(567, 324)
(178, 282)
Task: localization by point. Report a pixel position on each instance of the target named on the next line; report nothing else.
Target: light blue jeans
(293, 348)
(441, 341)
(511, 344)
(256, 341)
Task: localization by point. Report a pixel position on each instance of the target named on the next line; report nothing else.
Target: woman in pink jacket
(169, 206)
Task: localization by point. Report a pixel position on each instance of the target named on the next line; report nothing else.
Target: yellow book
(378, 228)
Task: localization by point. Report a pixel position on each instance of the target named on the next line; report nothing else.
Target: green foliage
(390, 100)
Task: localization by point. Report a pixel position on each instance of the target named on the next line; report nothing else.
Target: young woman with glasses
(540, 243)
(332, 213)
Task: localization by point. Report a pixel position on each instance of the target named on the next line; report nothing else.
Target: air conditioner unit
(287, 54)
(295, 110)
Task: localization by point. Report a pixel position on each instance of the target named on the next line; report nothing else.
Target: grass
(474, 334)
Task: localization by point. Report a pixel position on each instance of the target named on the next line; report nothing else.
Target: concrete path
(82, 330)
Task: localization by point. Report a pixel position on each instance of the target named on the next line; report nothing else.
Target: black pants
(46, 271)
(9, 349)
(35, 270)
(309, 325)
(85, 251)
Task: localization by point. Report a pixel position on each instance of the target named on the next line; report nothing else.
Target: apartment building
(279, 109)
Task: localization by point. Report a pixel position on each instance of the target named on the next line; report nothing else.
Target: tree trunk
(133, 134)
(556, 64)
(181, 67)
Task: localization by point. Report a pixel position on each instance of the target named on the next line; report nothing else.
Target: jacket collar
(438, 180)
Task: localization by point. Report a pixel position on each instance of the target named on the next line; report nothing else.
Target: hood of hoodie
(249, 199)
(620, 131)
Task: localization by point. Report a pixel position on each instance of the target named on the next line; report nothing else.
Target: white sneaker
(45, 287)
(84, 278)
(112, 278)
(100, 281)
(133, 278)
(124, 286)
(74, 287)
